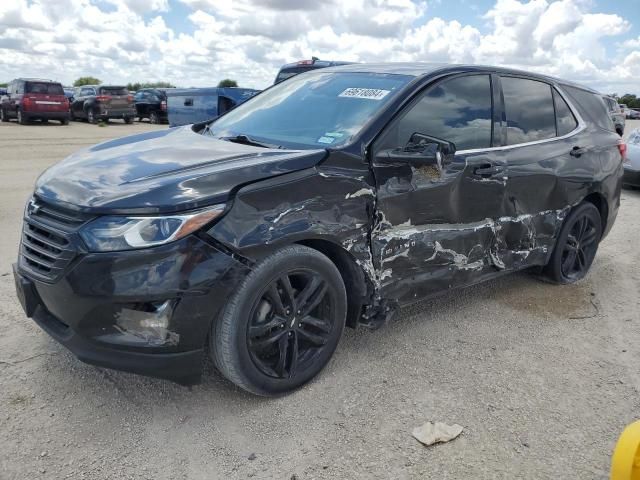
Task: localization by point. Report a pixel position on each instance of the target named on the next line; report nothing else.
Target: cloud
(248, 40)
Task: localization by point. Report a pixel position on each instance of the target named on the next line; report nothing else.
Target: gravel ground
(543, 378)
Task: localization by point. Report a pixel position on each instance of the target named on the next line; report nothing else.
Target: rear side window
(529, 110)
(591, 107)
(44, 87)
(113, 91)
(457, 110)
(565, 121)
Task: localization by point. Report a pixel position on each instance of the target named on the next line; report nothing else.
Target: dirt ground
(543, 378)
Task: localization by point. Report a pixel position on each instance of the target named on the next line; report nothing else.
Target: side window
(565, 121)
(458, 110)
(529, 110)
(19, 87)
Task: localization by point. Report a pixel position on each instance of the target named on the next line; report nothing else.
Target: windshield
(312, 110)
(44, 87)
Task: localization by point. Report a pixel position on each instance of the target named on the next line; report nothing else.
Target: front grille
(49, 239)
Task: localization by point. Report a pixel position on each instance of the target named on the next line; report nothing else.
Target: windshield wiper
(246, 140)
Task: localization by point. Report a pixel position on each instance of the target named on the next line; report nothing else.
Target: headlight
(106, 234)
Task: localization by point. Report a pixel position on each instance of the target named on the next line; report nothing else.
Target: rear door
(46, 97)
(141, 100)
(115, 98)
(436, 225)
(550, 160)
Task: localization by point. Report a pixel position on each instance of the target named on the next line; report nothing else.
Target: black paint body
(397, 233)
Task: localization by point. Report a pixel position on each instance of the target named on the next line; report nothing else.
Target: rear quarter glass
(591, 107)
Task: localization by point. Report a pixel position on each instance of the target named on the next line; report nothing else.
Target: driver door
(435, 224)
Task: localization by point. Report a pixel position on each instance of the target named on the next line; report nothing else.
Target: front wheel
(576, 246)
(283, 323)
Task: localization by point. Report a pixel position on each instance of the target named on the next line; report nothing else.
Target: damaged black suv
(328, 200)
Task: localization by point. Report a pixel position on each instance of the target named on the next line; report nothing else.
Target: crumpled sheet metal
(431, 433)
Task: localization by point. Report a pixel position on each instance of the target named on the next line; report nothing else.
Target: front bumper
(99, 306)
(631, 178)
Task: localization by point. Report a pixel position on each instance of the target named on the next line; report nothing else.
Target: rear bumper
(116, 112)
(47, 115)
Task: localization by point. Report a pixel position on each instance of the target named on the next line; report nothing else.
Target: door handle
(188, 102)
(487, 170)
(577, 151)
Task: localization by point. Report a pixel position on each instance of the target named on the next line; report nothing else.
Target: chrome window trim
(579, 128)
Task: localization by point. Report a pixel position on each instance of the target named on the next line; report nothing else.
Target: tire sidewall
(555, 264)
(237, 313)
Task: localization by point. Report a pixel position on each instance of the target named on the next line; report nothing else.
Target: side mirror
(421, 151)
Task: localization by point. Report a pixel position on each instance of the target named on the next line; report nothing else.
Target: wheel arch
(352, 275)
(600, 202)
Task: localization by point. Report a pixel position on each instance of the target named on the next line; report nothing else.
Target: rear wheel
(91, 116)
(64, 121)
(128, 120)
(153, 118)
(283, 324)
(576, 246)
(22, 120)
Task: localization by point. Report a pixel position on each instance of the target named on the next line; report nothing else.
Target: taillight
(103, 98)
(27, 102)
(622, 147)
(163, 105)
(130, 98)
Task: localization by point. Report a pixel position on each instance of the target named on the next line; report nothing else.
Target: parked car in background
(193, 105)
(634, 113)
(328, 200)
(3, 91)
(616, 113)
(29, 99)
(69, 92)
(291, 69)
(102, 102)
(625, 110)
(151, 103)
(632, 164)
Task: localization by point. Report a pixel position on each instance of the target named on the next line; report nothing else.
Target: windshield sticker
(367, 93)
(334, 134)
(326, 139)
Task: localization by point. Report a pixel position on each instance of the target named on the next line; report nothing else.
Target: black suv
(151, 103)
(326, 200)
(102, 102)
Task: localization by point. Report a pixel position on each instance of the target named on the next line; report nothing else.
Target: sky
(199, 42)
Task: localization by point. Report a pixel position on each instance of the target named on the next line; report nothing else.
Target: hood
(163, 171)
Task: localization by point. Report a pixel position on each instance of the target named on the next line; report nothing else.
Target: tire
(153, 118)
(64, 121)
(21, 119)
(576, 245)
(3, 115)
(91, 116)
(45, 120)
(255, 337)
(128, 120)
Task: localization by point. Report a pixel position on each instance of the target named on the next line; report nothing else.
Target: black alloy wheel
(290, 323)
(282, 324)
(577, 245)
